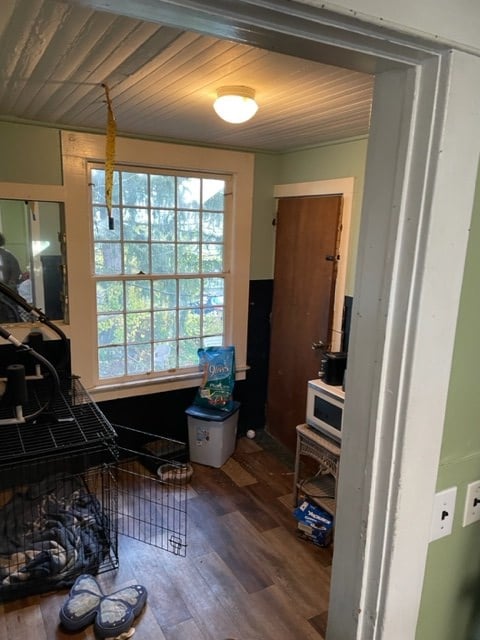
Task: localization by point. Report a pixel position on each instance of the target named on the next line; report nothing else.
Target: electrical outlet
(472, 504)
(442, 516)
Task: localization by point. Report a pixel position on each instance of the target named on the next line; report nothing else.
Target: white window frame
(151, 276)
(78, 150)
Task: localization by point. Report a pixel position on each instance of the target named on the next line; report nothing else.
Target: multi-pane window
(160, 272)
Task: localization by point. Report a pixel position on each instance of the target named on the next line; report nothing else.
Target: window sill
(144, 387)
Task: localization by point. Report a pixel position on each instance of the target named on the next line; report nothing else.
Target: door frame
(337, 186)
(402, 336)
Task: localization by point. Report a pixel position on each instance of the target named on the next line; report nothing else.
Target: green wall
(35, 157)
(30, 154)
(263, 232)
(343, 159)
(450, 606)
(339, 160)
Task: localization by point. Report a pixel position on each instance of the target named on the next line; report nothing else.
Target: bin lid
(216, 415)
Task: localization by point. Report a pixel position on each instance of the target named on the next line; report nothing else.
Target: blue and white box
(212, 434)
(314, 523)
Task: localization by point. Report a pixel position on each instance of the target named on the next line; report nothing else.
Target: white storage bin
(212, 434)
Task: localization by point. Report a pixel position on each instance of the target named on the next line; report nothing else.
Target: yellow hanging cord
(109, 155)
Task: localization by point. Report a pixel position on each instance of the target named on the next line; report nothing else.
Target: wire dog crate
(55, 528)
(70, 483)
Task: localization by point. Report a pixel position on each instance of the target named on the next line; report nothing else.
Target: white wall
(454, 21)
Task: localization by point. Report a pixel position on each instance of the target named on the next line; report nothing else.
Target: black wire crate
(71, 483)
(61, 516)
(67, 420)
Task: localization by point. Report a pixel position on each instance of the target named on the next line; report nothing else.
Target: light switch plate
(472, 504)
(442, 516)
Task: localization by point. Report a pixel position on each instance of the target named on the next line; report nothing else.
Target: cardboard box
(314, 523)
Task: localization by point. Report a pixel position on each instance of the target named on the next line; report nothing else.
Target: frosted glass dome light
(235, 104)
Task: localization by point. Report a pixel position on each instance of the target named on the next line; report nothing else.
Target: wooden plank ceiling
(55, 57)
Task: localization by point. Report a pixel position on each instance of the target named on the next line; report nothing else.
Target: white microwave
(325, 408)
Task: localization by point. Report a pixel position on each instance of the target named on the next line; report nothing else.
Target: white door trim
(425, 136)
(338, 186)
(412, 248)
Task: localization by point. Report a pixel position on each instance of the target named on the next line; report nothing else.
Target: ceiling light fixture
(235, 104)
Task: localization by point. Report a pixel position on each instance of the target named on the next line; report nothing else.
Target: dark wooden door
(307, 239)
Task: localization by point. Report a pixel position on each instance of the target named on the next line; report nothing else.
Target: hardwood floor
(246, 575)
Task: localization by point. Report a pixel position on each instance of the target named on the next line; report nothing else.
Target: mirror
(34, 238)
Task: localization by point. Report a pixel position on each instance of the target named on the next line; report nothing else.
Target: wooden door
(307, 240)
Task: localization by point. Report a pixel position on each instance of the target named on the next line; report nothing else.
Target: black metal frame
(73, 446)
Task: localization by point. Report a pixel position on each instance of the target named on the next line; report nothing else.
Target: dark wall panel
(161, 413)
(252, 392)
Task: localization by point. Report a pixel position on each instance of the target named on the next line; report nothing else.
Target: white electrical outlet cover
(442, 515)
(472, 504)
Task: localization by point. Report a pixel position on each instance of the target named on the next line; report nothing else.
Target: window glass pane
(136, 257)
(101, 229)
(110, 296)
(165, 356)
(187, 352)
(139, 327)
(111, 362)
(212, 227)
(213, 291)
(139, 358)
(213, 341)
(97, 182)
(135, 224)
(189, 292)
(164, 294)
(110, 329)
(213, 194)
(188, 258)
(163, 225)
(162, 191)
(108, 258)
(138, 295)
(134, 188)
(212, 258)
(188, 193)
(165, 325)
(98, 186)
(213, 321)
(163, 258)
(188, 226)
(188, 323)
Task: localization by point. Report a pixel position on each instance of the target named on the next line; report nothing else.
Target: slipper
(112, 614)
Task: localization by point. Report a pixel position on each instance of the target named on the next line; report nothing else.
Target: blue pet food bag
(216, 388)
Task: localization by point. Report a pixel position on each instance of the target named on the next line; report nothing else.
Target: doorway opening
(400, 262)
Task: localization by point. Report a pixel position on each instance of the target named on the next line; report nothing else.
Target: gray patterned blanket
(51, 532)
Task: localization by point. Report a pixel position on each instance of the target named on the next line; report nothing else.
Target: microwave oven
(325, 408)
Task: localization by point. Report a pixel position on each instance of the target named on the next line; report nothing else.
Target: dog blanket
(51, 532)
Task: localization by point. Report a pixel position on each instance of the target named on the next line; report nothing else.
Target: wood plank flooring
(246, 576)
